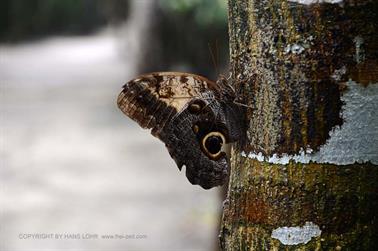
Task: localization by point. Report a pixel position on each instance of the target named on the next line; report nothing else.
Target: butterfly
(195, 118)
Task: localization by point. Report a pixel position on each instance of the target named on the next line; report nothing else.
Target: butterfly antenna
(213, 59)
(241, 104)
(217, 53)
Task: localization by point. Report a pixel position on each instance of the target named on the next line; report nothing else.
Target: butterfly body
(192, 115)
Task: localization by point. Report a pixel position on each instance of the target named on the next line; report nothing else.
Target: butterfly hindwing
(184, 138)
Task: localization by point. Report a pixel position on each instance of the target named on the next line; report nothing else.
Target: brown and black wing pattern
(193, 116)
(153, 99)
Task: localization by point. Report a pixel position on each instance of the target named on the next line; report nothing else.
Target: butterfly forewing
(153, 99)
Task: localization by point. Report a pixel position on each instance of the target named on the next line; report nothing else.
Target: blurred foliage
(204, 12)
(189, 35)
(21, 19)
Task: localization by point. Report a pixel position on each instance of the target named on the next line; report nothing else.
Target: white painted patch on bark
(294, 48)
(296, 235)
(308, 2)
(356, 140)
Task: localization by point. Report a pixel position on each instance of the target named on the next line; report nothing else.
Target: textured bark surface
(290, 62)
(342, 201)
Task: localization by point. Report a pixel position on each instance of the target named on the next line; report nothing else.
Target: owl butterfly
(192, 115)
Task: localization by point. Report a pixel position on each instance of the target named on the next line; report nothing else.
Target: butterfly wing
(153, 99)
(183, 110)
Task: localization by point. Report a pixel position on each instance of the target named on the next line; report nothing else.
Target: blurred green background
(186, 32)
(30, 19)
(192, 33)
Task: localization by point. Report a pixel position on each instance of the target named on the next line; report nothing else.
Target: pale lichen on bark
(296, 235)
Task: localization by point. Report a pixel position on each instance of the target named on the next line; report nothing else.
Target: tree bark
(307, 177)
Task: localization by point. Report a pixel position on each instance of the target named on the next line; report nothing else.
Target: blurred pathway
(71, 163)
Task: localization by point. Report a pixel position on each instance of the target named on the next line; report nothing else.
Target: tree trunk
(308, 178)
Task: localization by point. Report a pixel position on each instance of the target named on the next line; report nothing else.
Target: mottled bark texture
(290, 61)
